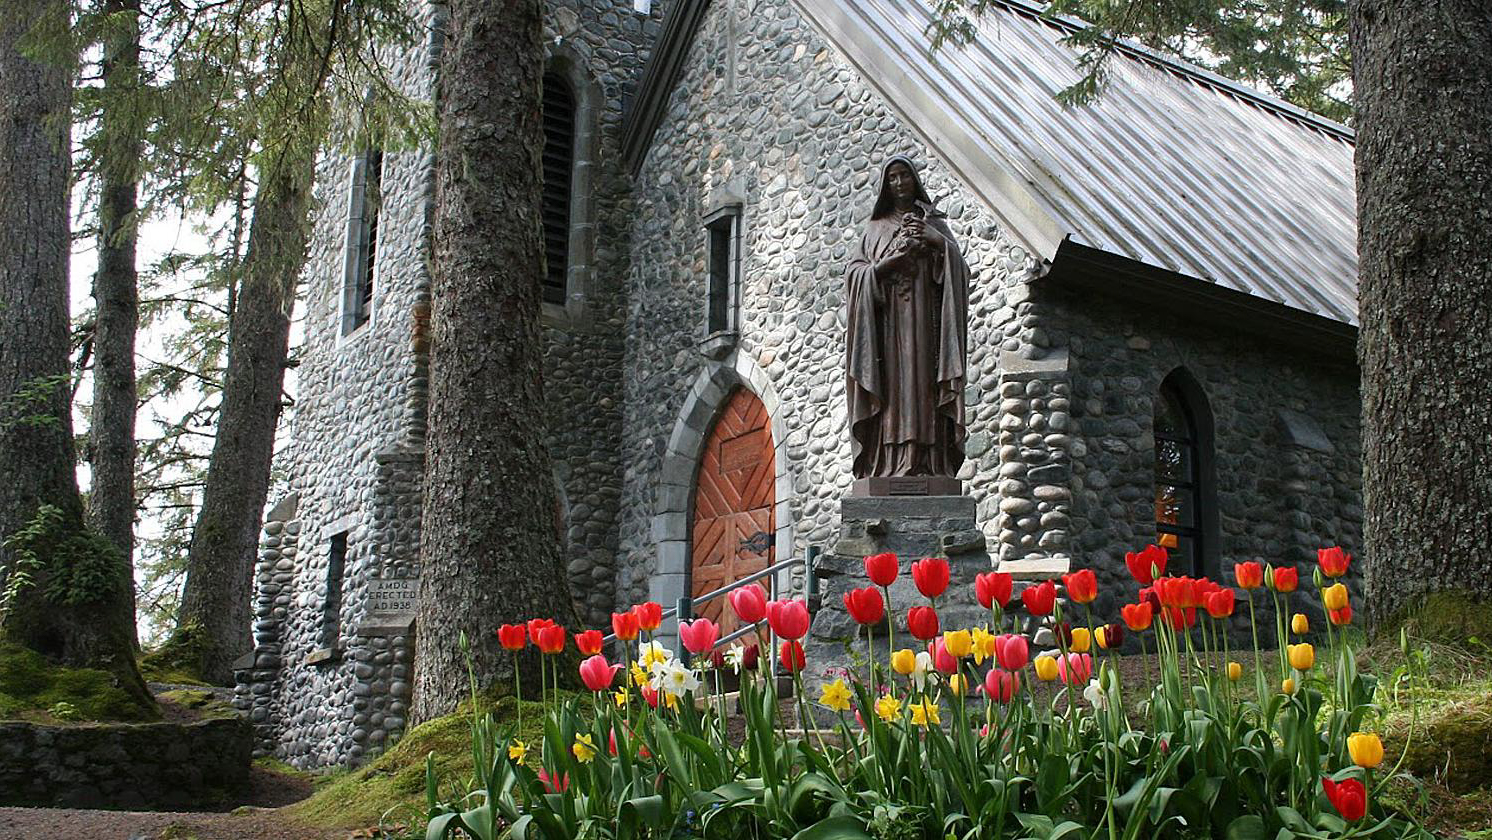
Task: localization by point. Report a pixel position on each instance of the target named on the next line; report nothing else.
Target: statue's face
(902, 182)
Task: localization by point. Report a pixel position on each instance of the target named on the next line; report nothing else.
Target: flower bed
(959, 732)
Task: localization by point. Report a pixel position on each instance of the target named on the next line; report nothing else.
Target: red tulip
(791, 656)
(749, 602)
(942, 659)
(537, 624)
(1334, 561)
(597, 674)
(512, 636)
(1137, 616)
(650, 696)
(1040, 599)
(788, 618)
(624, 625)
(922, 622)
(931, 576)
(1284, 579)
(1012, 652)
(993, 588)
(554, 786)
(1220, 604)
(749, 657)
(1179, 618)
(699, 636)
(1075, 668)
(882, 569)
(550, 639)
(1082, 586)
(649, 615)
(1147, 565)
(1176, 591)
(1341, 617)
(1248, 575)
(1149, 596)
(589, 642)
(865, 605)
(1348, 796)
(1000, 686)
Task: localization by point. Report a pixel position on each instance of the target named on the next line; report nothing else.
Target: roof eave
(645, 111)
(1082, 267)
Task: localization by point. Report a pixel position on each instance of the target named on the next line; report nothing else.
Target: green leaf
(1247, 827)
(834, 828)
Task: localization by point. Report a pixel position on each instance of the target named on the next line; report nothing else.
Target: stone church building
(1161, 339)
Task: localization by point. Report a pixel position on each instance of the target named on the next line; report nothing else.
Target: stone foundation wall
(137, 767)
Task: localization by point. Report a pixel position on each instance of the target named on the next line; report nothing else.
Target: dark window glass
(362, 303)
(331, 619)
(559, 165)
(1176, 515)
(722, 245)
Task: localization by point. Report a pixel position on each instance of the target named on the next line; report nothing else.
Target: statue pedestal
(907, 485)
(913, 527)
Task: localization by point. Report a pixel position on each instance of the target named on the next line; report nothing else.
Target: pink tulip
(749, 602)
(942, 659)
(597, 674)
(1075, 668)
(1012, 652)
(789, 618)
(1000, 685)
(699, 636)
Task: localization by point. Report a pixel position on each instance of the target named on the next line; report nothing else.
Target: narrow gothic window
(724, 231)
(331, 616)
(357, 306)
(1180, 477)
(559, 165)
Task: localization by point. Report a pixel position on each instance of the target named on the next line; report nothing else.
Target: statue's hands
(923, 233)
(893, 262)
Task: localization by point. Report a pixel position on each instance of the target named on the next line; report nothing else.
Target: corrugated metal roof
(1172, 166)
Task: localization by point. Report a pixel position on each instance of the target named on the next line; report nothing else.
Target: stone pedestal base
(907, 485)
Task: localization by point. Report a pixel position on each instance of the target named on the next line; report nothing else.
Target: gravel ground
(256, 824)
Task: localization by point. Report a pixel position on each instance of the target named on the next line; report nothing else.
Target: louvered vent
(559, 153)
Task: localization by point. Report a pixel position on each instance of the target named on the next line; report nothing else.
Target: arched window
(1185, 511)
(559, 167)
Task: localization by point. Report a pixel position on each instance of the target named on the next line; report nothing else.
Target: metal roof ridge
(1135, 49)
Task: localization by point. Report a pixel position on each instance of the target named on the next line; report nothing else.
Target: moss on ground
(31, 688)
(392, 787)
(176, 661)
(202, 704)
(1446, 618)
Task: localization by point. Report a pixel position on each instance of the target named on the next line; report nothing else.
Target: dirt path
(255, 824)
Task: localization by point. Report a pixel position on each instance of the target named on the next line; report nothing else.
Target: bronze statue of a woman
(907, 344)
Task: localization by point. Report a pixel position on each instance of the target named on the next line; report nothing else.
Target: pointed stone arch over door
(732, 534)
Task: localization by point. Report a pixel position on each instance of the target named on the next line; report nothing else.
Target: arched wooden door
(734, 493)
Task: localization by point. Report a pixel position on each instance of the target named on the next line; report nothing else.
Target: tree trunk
(71, 608)
(1423, 77)
(488, 549)
(111, 444)
(213, 624)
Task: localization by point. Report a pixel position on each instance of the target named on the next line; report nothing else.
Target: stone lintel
(1036, 568)
(1017, 368)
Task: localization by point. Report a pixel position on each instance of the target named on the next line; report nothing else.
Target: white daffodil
(676, 678)
(921, 669)
(653, 653)
(1095, 696)
(735, 657)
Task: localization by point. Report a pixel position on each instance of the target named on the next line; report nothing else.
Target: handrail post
(811, 579)
(685, 612)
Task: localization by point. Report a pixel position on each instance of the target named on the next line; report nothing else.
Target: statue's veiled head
(900, 187)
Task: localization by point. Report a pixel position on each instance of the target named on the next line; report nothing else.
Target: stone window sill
(717, 345)
(324, 656)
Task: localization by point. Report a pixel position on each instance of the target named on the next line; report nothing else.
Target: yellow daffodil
(984, 644)
(1082, 640)
(1046, 668)
(1288, 686)
(517, 751)
(959, 643)
(1235, 671)
(620, 697)
(957, 684)
(836, 696)
(1335, 596)
(888, 708)
(904, 661)
(1300, 625)
(925, 713)
(1365, 748)
(584, 748)
(639, 676)
(1302, 657)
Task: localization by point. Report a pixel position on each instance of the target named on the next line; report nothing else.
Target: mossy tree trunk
(488, 548)
(111, 433)
(71, 607)
(1423, 79)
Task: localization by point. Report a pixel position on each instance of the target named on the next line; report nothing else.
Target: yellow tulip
(1082, 640)
(1046, 668)
(888, 708)
(957, 684)
(1288, 686)
(1302, 657)
(958, 642)
(904, 662)
(1299, 625)
(1235, 671)
(1365, 748)
(1335, 596)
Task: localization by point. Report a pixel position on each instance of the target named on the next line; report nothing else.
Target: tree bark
(213, 623)
(488, 548)
(1423, 77)
(111, 444)
(71, 609)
